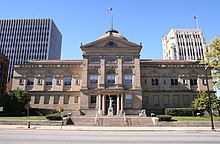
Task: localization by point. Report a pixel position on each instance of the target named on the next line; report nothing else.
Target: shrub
(178, 111)
(55, 116)
(164, 117)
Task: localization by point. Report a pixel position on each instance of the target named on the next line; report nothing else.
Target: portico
(103, 103)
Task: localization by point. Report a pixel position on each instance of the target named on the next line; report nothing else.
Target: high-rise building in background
(29, 39)
(3, 72)
(184, 44)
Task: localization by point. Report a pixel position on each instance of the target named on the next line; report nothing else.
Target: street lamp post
(209, 97)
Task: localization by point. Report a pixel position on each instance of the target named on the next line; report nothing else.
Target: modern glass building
(29, 39)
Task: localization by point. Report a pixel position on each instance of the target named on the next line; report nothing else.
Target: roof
(167, 61)
(114, 33)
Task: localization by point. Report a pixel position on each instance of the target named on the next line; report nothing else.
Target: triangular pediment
(111, 41)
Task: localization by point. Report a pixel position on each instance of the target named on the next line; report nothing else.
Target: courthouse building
(111, 74)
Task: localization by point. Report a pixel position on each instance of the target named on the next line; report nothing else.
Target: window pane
(30, 81)
(67, 80)
(127, 79)
(93, 79)
(128, 99)
(111, 79)
(48, 80)
(93, 99)
(66, 99)
(56, 99)
(46, 99)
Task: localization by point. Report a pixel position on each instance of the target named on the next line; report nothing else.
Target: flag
(109, 10)
(195, 17)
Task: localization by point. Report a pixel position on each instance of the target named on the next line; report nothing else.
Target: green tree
(213, 56)
(22, 98)
(202, 102)
(15, 103)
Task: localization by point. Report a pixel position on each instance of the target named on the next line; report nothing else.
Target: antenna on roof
(110, 10)
(197, 22)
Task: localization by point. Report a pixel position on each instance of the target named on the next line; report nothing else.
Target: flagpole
(197, 22)
(112, 21)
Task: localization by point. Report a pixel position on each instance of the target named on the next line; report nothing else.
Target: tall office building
(184, 44)
(3, 72)
(29, 39)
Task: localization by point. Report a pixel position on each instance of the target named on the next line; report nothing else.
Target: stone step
(112, 121)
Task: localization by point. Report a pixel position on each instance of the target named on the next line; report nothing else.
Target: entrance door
(114, 104)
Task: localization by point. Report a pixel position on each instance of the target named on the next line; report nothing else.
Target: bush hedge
(179, 111)
(55, 116)
(164, 117)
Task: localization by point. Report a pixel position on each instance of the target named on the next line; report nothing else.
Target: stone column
(85, 74)
(103, 104)
(61, 100)
(118, 104)
(136, 73)
(119, 77)
(122, 103)
(41, 100)
(102, 72)
(97, 102)
(100, 105)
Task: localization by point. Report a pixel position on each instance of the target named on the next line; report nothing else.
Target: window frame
(50, 82)
(93, 79)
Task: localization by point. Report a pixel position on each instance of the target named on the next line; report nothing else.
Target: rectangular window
(174, 81)
(76, 99)
(46, 99)
(37, 100)
(93, 79)
(93, 99)
(193, 81)
(111, 79)
(128, 99)
(176, 100)
(166, 100)
(67, 80)
(56, 99)
(111, 59)
(48, 80)
(154, 81)
(66, 100)
(128, 60)
(156, 99)
(30, 81)
(186, 100)
(127, 79)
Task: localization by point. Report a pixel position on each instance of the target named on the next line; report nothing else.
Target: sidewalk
(99, 128)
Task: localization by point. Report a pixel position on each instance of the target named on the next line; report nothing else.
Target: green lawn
(24, 118)
(194, 118)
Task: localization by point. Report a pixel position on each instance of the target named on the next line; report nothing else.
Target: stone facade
(111, 77)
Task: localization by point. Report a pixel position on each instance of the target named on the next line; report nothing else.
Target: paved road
(107, 137)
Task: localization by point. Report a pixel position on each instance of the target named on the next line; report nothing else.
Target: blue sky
(146, 21)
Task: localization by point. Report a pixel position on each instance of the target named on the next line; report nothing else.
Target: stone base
(110, 111)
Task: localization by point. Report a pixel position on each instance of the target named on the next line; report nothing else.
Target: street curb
(82, 128)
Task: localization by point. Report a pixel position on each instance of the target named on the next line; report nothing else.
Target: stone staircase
(112, 121)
